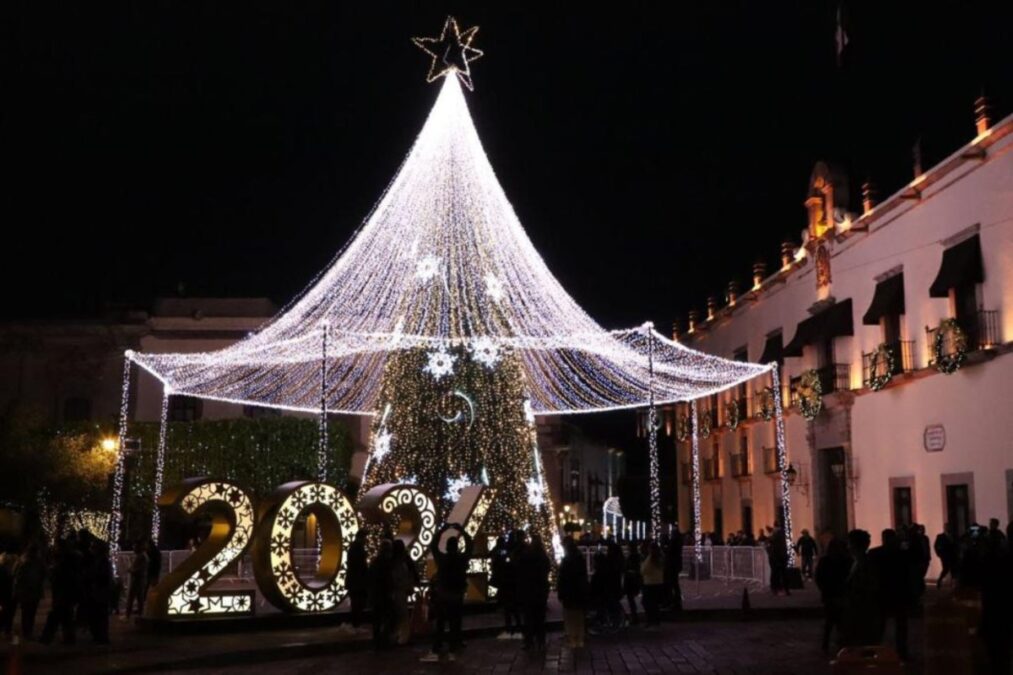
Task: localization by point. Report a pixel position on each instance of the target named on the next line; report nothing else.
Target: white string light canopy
(443, 263)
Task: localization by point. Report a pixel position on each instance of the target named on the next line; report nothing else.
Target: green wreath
(883, 356)
(948, 364)
(765, 409)
(810, 394)
(683, 428)
(732, 413)
(706, 423)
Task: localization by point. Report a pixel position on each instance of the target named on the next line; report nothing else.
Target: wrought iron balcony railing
(903, 360)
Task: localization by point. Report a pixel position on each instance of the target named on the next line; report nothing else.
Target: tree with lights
(453, 417)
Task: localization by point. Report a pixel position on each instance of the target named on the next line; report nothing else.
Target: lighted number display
(408, 503)
(273, 566)
(182, 592)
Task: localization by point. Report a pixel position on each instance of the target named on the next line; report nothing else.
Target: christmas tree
(455, 416)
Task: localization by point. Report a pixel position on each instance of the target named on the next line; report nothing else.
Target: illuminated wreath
(706, 423)
(732, 413)
(765, 409)
(810, 394)
(881, 366)
(951, 362)
(683, 428)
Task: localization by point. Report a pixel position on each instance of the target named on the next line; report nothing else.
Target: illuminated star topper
(451, 52)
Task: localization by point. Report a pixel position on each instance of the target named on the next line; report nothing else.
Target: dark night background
(652, 155)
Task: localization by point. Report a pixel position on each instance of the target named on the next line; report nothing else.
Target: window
(185, 408)
(76, 409)
(747, 516)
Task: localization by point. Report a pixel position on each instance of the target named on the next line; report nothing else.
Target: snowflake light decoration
(529, 412)
(485, 351)
(454, 487)
(440, 363)
(381, 445)
(410, 479)
(427, 267)
(493, 287)
(536, 493)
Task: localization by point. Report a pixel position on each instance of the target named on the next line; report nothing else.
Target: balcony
(711, 468)
(743, 408)
(981, 328)
(903, 360)
(833, 377)
(770, 461)
(740, 465)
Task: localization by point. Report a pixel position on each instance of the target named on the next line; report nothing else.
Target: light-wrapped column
(782, 462)
(156, 515)
(697, 534)
(652, 440)
(116, 516)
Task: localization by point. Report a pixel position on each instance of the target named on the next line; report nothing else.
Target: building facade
(864, 318)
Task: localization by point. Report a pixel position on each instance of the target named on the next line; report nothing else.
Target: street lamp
(110, 444)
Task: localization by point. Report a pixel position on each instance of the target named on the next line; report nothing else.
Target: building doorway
(747, 517)
(833, 490)
(903, 511)
(958, 508)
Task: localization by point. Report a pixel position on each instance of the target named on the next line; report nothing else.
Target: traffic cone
(14, 659)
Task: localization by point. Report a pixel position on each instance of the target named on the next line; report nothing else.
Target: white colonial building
(859, 312)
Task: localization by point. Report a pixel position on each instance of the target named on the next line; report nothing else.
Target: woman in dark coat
(572, 589)
(832, 579)
(533, 591)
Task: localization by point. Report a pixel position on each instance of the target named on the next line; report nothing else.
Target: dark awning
(887, 301)
(961, 267)
(831, 322)
(773, 349)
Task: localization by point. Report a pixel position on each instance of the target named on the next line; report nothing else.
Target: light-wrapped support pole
(116, 513)
(782, 462)
(322, 447)
(156, 514)
(695, 460)
(652, 440)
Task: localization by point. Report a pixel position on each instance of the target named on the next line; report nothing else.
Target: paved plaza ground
(778, 635)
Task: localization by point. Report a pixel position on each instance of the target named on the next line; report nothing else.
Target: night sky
(233, 147)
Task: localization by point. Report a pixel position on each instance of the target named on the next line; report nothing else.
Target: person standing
(97, 583)
(533, 591)
(381, 596)
(861, 618)
(652, 570)
(404, 579)
(357, 577)
(572, 589)
(806, 548)
(504, 580)
(673, 568)
(138, 579)
(895, 571)
(448, 586)
(154, 563)
(947, 551)
(832, 580)
(777, 556)
(633, 582)
(64, 582)
(6, 589)
(29, 578)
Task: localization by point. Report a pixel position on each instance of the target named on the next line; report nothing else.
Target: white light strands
(156, 514)
(451, 52)
(485, 351)
(782, 462)
(441, 363)
(322, 446)
(116, 515)
(695, 460)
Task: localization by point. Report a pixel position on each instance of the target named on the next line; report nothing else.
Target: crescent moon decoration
(459, 416)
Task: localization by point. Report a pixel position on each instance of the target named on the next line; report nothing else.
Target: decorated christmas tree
(456, 416)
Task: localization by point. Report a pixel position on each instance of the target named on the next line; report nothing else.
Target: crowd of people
(865, 589)
(83, 589)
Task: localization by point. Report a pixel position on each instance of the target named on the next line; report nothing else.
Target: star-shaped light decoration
(451, 52)
(536, 492)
